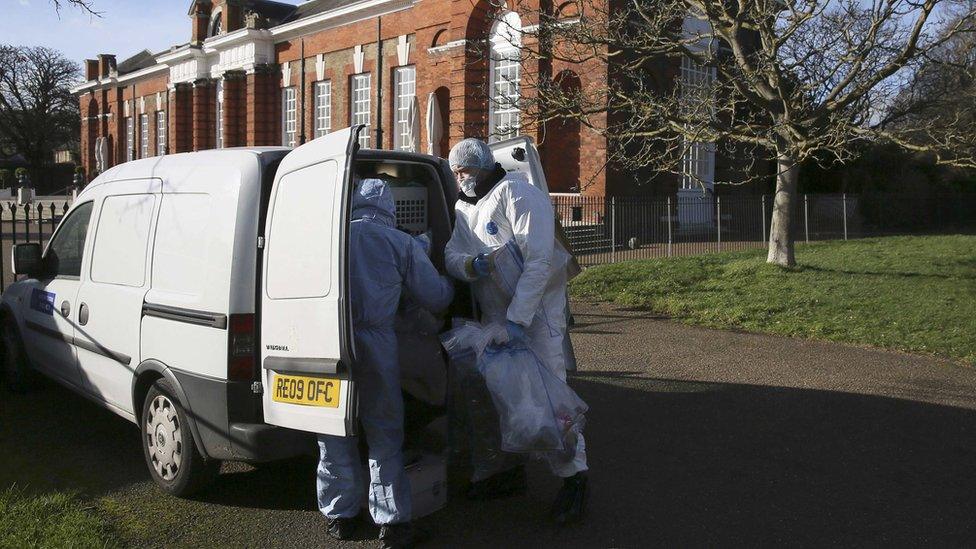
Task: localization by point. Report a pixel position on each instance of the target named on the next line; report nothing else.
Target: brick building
(257, 72)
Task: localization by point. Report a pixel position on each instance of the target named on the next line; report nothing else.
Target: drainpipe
(379, 84)
(301, 136)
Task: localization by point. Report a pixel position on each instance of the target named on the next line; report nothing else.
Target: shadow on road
(674, 463)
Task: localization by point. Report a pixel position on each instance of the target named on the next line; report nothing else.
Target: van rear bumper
(259, 442)
(227, 415)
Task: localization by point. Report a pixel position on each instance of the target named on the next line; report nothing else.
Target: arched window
(217, 24)
(504, 115)
(697, 88)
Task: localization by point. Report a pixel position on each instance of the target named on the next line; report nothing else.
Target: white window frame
(323, 107)
(216, 26)
(697, 92)
(289, 116)
(360, 103)
(144, 144)
(505, 77)
(405, 89)
(161, 129)
(130, 139)
(219, 129)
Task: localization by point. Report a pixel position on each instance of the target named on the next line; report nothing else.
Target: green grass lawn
(909, 293)
(49, 520)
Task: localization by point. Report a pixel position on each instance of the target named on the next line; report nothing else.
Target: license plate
(306, 391)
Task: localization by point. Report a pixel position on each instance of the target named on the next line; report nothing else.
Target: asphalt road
(695, 437)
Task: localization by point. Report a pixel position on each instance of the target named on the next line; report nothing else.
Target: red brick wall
(181, 119)
(457, 75)
(235, 109)
(263, 111)
(204, 114)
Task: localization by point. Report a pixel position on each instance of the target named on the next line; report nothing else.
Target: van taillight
(240, 352)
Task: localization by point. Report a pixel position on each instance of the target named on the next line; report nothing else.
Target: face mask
(467, 183)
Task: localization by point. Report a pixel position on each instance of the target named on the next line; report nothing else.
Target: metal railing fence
(611, 229)
(24, 223)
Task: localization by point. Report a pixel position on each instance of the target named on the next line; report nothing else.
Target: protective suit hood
(373, 200)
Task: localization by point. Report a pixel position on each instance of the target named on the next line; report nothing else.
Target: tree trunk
(781, 229)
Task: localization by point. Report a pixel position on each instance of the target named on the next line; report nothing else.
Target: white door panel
(47, 332)
(306, 345)
(49, 328)
(113, 289)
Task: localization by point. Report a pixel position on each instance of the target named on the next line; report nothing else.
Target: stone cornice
(357, 11)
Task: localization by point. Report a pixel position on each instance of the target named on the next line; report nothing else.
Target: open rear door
(306, 335)
(520, 155)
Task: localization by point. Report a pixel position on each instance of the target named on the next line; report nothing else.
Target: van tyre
(174, 460)
(16, 369)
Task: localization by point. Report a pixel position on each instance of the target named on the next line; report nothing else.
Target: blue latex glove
(516, 333)
(480, 265)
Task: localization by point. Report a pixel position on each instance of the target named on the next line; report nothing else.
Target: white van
(204, 296)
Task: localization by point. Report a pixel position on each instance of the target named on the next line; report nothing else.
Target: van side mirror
(26, 259)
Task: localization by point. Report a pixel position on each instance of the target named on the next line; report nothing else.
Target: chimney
(200, 19)
(91, 69)
(233, 13)
(106, 64)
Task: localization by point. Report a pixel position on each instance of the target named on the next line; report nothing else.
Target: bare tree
(778, 82)
(37, 110)
(87, 6)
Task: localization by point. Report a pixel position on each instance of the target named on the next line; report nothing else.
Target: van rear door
(520, 155)
(306, 335)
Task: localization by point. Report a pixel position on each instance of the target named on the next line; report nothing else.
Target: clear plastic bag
(537, 410)
(506, 268)
(472, 419)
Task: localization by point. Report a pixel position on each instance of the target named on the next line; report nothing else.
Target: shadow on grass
(596, 323)
(673, 463)
(899, 274)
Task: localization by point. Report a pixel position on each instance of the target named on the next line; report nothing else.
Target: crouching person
(383, 263)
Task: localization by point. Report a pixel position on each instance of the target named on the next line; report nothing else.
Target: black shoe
(401, 536)
(500, 485)
(570, 501)
(343, 528)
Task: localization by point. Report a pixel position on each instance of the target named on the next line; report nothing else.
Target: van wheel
(16, 369)
(174, 461)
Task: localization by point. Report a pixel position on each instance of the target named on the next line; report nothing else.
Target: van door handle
(83, 314)
(65, 309)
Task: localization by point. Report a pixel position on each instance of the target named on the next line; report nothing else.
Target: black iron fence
(611, 229)
(21, 223)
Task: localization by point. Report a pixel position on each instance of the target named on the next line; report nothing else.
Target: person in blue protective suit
(384, 262)
(493, 208)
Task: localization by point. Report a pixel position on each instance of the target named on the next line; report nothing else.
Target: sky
(125, 28)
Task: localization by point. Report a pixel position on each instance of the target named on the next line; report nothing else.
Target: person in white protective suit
(493, 208)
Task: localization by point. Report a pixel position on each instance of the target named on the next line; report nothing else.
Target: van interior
(421, 208)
